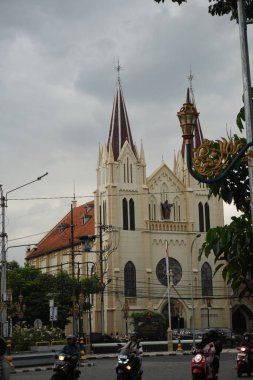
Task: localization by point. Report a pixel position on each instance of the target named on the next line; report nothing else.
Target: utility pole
(246, 89)
(3, 314)
(3, 203)
(101, 272)
(72, 242)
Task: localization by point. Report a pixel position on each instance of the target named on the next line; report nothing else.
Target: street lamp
(192, 298)
(125, 310)
(4, 236)
(169, 274)
(208, 307)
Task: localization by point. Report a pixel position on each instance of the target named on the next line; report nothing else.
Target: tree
(223, 7)
(149, 324)
(232, 245)
(38, 288)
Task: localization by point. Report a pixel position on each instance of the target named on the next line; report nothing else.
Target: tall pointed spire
(120, 130)
(198, 134)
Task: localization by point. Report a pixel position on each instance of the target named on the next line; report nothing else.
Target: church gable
(127, 151)
(166, 200)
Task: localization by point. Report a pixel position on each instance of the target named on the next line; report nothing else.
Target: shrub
(23, 337)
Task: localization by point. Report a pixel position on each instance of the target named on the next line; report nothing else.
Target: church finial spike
(188, 100)
(118, 68)
(190, 78)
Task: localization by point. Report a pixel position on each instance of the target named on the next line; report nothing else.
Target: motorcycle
(244, 361)
(129, 365)
(200, 367)
(66, 367)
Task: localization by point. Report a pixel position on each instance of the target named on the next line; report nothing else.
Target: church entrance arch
(242, 318)
(177, 314)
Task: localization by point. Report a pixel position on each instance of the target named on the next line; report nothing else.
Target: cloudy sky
(57, 83)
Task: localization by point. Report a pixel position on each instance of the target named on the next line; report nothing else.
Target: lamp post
(168, 273)
(125, 310)
(203, 166)
(208, 307)
(192, 295)
(3, 235)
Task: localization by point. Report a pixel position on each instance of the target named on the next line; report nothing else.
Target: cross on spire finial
(118, 68)
(190, 78)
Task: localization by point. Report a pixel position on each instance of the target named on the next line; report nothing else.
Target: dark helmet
(212, 335)
(72, 338)
(3, 346)
(246, 336)
(134, 335)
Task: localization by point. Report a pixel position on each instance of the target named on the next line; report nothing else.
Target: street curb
(38, 369)
(90, 359)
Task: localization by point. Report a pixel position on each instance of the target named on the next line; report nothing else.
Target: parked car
(186, 334)
(227, 336)
(97, 337)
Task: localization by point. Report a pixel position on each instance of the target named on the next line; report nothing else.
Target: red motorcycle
(200, 368)
(244, 361)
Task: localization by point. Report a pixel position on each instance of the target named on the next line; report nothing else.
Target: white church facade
(167, 209)
(139, 221)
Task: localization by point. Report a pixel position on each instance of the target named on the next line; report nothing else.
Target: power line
(130, 193)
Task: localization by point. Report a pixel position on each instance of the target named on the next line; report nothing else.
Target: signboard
(37, 323)
(53, 313)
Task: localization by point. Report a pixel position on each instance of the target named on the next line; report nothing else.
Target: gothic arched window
(131, 214)
(206, 280)
(125, 214)
(201, 217)
(129, 280)
(207, 216)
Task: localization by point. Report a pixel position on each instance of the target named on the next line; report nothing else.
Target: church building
(145, 219)
(146, 232)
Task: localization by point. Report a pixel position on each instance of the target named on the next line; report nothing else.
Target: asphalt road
(155, 368)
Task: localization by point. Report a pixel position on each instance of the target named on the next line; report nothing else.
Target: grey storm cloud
(57, 81)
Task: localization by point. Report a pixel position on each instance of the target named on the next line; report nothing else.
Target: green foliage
(148, 315)
(223, 7)
(174, 1)
(232, 246)
(240, 119)
(38, 288)
(23, 337)
(90, 285)
(235, 187)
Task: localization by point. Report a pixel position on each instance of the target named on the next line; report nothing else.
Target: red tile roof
(60, 236)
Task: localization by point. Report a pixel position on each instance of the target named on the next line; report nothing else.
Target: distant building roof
(60, 236)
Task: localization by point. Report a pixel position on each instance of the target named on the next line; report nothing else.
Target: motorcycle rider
(72, 349)
(135, 346)
(247, 340)
(212, 347)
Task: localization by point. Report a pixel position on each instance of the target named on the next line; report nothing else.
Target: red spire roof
(120, 130)
(198, 134)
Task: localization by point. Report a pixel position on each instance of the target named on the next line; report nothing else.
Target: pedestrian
(117, 336)
(5, 368)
